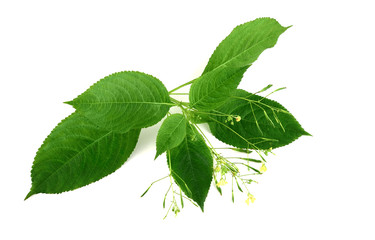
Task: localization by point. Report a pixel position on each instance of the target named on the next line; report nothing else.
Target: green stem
(179, 94)
(243, 183)
(170, 173)
(255, 148)
(208, 141)
(153, 184)
(213, 114)
(187, 198)
(246, 159)
(167, 212)
(259, 101)
(181, 86)
(179, 103)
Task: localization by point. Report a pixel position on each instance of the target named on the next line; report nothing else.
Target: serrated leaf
(124, 101)
(264, 123)
(245, 43)
(191, 165)
(231, 59)
(214, 88)
(171, 133)
(77, 153)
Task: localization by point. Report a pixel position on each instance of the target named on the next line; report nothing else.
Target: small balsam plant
(101, 134)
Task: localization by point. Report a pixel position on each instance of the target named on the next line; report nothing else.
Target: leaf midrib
(219, 86)
(177, 125)
(237, 55)
(232, 59)
(72, 158)
(191, 165)
(154, 103)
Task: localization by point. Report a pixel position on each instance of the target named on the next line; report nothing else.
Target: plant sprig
(101, 134)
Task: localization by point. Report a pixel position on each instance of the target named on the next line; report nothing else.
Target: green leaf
(245, 43)
(230, 60)
(191, 165)
(214, 88)
(171, 133)
(77, 153)
(124, 101)
(264, 123)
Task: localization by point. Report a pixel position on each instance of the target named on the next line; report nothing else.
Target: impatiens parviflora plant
(100, 135)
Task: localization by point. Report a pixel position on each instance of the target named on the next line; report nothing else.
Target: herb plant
(101, 134)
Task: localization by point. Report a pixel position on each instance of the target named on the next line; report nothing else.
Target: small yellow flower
(263, 168)
(250, 197)
(217, 169)
(238, 118)
(222, 182)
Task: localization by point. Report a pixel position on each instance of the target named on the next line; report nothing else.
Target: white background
(319, 187)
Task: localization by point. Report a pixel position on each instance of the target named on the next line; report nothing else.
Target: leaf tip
(69, 102)
(157, 155)
(29, 195)
(201, 207)
(307, 134)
